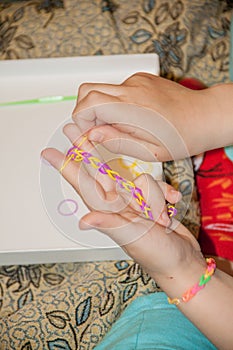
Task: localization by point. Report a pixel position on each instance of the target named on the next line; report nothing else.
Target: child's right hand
(152, 118)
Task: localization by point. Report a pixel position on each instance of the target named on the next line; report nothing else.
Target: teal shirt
(151, 323)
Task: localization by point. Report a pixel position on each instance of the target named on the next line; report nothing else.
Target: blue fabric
(150, 323)
(229, 152)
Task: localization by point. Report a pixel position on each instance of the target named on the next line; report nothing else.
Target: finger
(123, 230)
(121, 142)
(170, 143)
(78, 139)
(73, 133)
(87, 113)
(109, 89)
(154, 197)
(114, 89)
(136, 237)
(131, 115)
(57, 159)
(170, 193)
(96, 189)
(91, 191)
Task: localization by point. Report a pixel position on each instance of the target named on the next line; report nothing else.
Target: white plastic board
(37, 225)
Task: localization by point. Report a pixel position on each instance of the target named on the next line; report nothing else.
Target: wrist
(214, 117)
(198, 286)
(222, 126)
(179, 281)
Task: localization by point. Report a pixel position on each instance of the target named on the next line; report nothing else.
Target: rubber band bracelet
(76, 154)
(191, 292)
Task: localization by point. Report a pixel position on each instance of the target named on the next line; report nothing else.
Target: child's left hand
(115, 213)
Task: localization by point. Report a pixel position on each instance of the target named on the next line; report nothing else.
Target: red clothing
(214, 180)
(215, 186)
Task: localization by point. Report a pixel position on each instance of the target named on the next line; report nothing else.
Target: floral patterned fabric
(192, 38)
(66, 306)
(72, 305)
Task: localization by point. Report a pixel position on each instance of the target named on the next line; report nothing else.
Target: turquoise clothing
(151, 323)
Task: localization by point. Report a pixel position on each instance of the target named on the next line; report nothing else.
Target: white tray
(32, 230)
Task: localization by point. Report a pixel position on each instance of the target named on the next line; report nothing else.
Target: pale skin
(193, 114)
(199, 111)
(173, 259)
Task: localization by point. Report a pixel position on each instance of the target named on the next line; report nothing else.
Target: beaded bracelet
(191, 292)
(76, 154)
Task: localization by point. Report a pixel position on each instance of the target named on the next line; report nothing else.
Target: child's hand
(147, 117)
(114, 213)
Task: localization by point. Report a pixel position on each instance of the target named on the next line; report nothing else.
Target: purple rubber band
(67, 201)
(102, 168)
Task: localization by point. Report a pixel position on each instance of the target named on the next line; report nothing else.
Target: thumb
(120, 142)
(119, 228)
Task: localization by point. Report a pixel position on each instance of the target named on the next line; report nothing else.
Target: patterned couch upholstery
(72, 305)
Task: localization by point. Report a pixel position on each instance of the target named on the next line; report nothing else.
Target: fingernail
(95, 136)
(176, 195)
